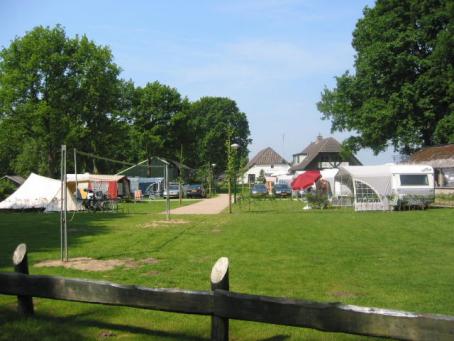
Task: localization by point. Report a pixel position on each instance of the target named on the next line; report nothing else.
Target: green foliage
(261, 178)
(203, 175)
(57, 90)
(211, 118)
(155, 106)
(6, 188)
(402, 90)
(317, 200)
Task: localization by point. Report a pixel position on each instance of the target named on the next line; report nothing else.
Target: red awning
(305, 180)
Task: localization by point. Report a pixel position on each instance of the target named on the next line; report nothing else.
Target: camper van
(413, 185)
(385, 187)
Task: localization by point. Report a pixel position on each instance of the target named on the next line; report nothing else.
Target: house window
(272, 166)
(251, 178)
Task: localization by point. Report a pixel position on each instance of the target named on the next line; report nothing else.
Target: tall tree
(154, 107)
(211, 118)
(56, 90)
(401, 92)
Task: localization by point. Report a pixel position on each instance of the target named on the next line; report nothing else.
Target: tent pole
(167, 191)
(61, 203)
(65, 202)
(75, 174)
(63, 207)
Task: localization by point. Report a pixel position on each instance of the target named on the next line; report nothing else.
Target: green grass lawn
(396, 260)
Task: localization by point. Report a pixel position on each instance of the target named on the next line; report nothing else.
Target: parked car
(259, 191)
(282, 190)
(174, 191)
(195, 190)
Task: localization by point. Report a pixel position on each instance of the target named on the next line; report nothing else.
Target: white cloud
(250, 62)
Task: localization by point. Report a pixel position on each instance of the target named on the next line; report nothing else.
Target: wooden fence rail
(223, 305)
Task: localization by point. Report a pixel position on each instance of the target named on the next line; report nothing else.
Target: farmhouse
(441, 158)
(268, 162)
(323, 153)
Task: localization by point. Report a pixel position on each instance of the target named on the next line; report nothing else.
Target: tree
(211, 117)
(261, 178)
(56, 90)
(153, 109)
(401, 92)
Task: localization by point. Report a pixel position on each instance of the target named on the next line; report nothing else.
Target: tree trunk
(149, 166)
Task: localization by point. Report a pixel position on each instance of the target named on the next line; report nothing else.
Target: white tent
(328, 175)
(38, 192)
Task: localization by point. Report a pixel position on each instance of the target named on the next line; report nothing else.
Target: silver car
(174, 191)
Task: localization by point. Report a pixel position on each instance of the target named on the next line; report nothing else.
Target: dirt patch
(106, 333)
(149, 261)
(216, 231)
(161, 223)
(90, 264)
(153, 273)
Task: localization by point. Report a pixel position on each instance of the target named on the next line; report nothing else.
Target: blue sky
(273, 57)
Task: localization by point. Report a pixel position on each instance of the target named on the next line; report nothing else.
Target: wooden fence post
(220, 280)
(24, 303)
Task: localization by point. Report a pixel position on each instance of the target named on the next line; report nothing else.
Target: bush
(6, 188)
(317, 200)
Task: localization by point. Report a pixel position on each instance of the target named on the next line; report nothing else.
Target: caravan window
(414, 180)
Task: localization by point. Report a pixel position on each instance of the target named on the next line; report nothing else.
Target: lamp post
(231, 169)
(212, 179)
(235, 147)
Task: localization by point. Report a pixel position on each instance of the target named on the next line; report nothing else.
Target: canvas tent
(38, 192)
(329, 175)
(382, 187)
(113, 186)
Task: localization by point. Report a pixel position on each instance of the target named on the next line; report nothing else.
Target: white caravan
(385, 187)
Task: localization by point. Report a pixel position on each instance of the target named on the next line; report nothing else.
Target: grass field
(396, 260)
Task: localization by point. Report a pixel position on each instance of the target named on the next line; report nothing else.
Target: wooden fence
(222, 305)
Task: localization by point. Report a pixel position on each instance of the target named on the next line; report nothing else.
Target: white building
(268, 161)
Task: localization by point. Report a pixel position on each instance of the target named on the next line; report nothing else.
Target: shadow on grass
(276, 338)
(41, 231)
(44, 326)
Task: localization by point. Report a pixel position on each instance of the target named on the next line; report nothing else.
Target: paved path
(206, 206)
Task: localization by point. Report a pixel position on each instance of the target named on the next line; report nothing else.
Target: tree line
(56, 90)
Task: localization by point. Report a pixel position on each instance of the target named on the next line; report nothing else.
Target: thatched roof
(266, 156)
(320, 145)
(438, 156)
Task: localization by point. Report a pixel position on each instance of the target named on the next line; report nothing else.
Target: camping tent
(142, 184)
(329, 175)
(38, 192)
(305, 180)
(113, 186)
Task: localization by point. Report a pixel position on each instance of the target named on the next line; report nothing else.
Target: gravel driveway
(206, 206)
